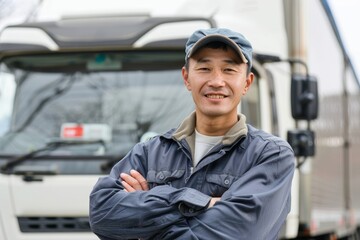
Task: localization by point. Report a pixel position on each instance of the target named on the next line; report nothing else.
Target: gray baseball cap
(233, 39)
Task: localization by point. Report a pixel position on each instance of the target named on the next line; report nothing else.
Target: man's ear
(249, 80)
(185, 75)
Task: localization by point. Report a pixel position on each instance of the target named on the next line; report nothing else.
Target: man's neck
(214, 126)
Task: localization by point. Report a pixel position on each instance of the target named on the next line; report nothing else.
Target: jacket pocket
(156, 178)
(219, 183)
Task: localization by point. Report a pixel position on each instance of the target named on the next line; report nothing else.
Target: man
(214, 177)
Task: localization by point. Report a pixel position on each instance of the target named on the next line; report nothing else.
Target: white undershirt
(203, 144)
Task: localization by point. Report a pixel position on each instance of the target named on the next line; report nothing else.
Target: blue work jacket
(250, 170)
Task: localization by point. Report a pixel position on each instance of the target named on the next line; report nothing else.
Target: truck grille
(54, 224)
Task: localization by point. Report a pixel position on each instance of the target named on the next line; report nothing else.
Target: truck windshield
(119, 98)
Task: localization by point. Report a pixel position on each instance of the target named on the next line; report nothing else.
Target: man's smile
(215, 96)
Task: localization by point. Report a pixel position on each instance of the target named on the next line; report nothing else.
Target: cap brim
(217, 38)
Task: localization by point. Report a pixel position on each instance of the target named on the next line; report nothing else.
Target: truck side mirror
(304, 97)
(302, 142)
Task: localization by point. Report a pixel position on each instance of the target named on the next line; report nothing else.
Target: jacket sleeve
(117, 214)
(254, 207)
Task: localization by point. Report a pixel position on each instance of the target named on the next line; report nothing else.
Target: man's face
(217, 79)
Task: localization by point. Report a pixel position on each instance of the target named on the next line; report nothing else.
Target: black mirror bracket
(304, 106)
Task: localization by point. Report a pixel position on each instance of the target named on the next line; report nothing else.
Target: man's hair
(214, 45)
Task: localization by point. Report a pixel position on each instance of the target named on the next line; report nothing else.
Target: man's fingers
(131, 183)
(135, 181)
(142, 181)
(127, 187)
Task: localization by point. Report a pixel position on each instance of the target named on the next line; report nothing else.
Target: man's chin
(213, 113)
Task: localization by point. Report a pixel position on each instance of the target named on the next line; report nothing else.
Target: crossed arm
(136, 182)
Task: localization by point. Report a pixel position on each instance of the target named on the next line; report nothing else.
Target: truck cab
(75, 96)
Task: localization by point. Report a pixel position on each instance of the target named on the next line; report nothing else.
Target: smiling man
(213, 177)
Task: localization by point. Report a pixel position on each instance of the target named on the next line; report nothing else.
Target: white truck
(77, 93)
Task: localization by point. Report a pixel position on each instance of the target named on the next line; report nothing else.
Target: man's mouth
(215, 96)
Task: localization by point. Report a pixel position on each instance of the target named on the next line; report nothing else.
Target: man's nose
(217, 79)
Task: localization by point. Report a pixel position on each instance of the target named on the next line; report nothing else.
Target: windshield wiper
(50, 146)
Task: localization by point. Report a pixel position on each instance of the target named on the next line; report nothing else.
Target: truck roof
(116, 32)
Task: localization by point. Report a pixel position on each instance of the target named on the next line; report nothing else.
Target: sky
(346, 13)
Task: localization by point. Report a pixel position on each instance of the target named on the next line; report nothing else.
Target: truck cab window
(118, 98)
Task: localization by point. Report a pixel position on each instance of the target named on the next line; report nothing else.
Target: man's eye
(229, 70)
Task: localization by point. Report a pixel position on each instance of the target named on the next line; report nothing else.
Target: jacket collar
(187, 128)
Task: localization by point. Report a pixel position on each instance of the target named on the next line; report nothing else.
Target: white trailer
(78, 92)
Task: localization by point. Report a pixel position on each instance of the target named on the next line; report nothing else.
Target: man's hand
(134, 182)
(213, 201)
